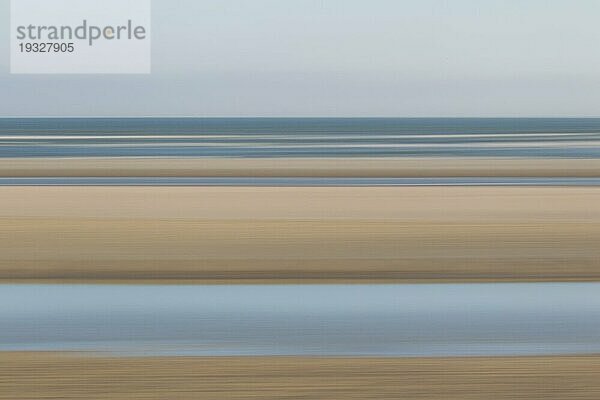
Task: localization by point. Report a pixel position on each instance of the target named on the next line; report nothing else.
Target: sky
(352, 58)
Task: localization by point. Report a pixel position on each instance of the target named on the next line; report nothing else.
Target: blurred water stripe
(299, 137)
(304, 320)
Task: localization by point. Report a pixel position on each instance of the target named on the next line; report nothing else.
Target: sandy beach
(434, 167)
(242, 234)
(72, 376)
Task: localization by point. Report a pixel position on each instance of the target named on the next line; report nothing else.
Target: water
(299, 137)
(335, 320)
(297, 182)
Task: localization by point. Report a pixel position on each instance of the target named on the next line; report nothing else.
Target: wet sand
(64, 376)
(279, 235)
(299, 167)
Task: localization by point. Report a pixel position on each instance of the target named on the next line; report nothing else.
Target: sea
(300, 137)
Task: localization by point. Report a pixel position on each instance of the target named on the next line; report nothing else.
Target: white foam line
(290, 136)
(342, 145)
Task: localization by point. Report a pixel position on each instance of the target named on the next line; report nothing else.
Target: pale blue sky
(340, 58)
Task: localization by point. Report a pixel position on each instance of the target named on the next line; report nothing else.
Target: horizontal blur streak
(298, 234)
(300, 137)
(68, 376)
(299, 167)
(483, 319)
(299, 182)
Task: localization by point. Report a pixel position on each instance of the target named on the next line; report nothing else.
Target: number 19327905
(46, 47)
